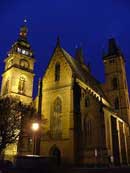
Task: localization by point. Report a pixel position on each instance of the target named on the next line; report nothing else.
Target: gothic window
(57, 72)
(55, 124)
(115, 83)
(87, 129)
(21, 85)
(87, 101)
(116, 103)
(6, 87)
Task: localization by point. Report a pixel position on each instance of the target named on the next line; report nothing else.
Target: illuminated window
(57, 72)
(55, 122)
(21, 86)
(23, 51)
(27, 53)
(116, 103)
(19, 50)
(115, 83)
(87, 101)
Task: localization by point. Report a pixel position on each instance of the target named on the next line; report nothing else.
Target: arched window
(21, 85)
(87, 101)
(6, 87)
(55, 122)
(57, 72)
(116, 103)
(87, 129)
(115, 83)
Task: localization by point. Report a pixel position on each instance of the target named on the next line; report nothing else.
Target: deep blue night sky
(89, 23)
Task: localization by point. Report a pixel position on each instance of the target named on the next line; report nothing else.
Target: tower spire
(113, 50)
(112, 46)
(23, 30)
(58, 41)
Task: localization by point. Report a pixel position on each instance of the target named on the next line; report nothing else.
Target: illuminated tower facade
(18, 76)
(116, 87)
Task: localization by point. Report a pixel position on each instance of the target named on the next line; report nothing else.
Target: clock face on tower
(24, 63)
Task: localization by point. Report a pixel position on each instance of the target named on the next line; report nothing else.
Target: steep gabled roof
(80, 71)
(83, 74)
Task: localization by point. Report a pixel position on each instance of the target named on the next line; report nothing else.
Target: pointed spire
(79, 55)
(112, 47)
(58, 42)
(113, 50)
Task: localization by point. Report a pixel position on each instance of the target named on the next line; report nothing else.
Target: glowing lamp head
(35, 126)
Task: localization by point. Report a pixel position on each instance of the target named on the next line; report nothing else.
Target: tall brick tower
(17, 79)
(116, 87)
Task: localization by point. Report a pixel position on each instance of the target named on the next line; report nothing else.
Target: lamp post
(35, 129)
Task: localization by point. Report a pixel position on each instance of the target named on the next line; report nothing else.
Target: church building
(87, 122)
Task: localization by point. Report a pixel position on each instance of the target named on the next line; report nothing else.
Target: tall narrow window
(55, 123)
(87, 129)
(57, 72)
(87, 101)
(6, 87)
(21, 85)
(115, 83)
(116, 103)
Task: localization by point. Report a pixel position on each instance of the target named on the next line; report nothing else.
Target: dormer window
(19, 50)
(57, 72)
(26, 52)
(23, 51)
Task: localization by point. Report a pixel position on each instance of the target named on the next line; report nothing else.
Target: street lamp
(35, 126)
(35, 129)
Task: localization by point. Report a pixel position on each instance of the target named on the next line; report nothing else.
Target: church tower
(116, 87)
(18, 76)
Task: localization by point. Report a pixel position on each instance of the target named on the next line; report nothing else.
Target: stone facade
(18, 76)
(86, 122)
(92, 131)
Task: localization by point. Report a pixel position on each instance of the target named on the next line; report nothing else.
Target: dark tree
(13, 115)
